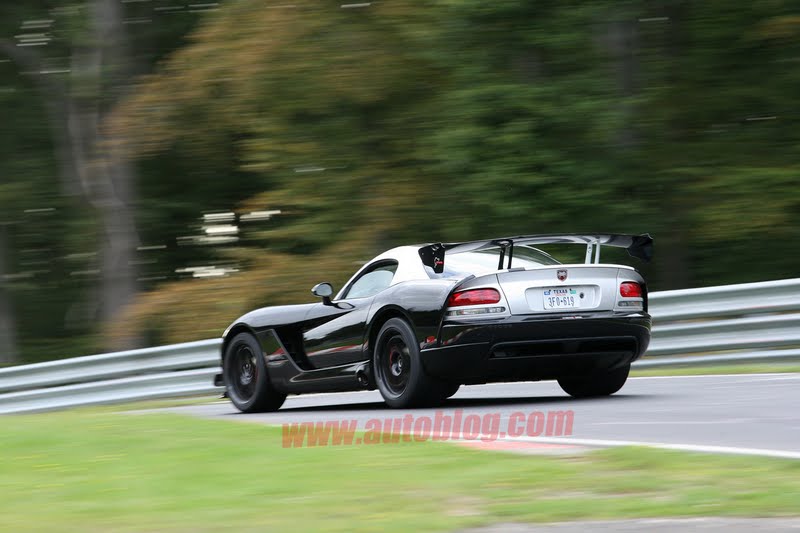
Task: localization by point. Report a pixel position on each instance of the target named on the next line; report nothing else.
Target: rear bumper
(523, 348)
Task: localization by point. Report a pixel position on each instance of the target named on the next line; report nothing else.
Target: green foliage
(461, 119)
(53, 234)
(412, 121)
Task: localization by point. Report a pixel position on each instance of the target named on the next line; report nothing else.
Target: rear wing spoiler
(638, 246)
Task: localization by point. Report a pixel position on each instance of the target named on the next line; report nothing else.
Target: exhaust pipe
(362, 377)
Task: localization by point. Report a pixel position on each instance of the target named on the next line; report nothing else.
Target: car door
(335, 334)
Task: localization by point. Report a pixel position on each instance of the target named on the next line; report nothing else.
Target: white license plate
(561, 298)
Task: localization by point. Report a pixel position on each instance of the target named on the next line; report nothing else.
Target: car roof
(409, 265)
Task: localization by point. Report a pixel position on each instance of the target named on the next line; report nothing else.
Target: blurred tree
(91, 167)
(457, 119)
(319, 110)
(8, 326)
(373, 124)
(80, 62)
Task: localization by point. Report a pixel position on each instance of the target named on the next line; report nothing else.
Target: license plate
(561, 298)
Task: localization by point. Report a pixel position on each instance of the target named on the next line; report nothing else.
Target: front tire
(245, 374)
(398, 368)
(597, 384)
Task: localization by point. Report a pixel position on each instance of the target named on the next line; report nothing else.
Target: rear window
(485, 261)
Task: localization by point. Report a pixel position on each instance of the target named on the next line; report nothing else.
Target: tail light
(630, 289)
(473, 297)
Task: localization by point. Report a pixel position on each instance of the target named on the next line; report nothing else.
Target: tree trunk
(675, 272)
(90, 164)
(120, 238)
(8, 332)
(622, 39)
(113, 180)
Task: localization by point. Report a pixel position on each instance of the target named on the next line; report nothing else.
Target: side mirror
(323, 290)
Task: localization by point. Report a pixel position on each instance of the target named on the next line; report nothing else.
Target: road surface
(742, 414)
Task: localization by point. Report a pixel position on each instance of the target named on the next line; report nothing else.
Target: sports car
(417, 322)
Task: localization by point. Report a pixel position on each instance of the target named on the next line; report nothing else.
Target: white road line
(784, 377)
(675, 422)
(794, 375)
(734, 450)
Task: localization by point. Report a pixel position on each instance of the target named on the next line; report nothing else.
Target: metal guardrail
(726, 300)
(745, 323)
(163, 372)
(94, 368)
(749, 323)
(148, 387)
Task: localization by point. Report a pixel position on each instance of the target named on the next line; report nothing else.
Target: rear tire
(398, 368)
(245, 374)
(597, 384)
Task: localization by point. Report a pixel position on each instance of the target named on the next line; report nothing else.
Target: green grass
(92, 470)
(144, 405)
(760, 368)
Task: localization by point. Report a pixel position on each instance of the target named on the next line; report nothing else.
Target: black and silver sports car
(419, 321)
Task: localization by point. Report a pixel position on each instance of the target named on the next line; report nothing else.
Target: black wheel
(398, 368)
(597, 384)
(245, 374)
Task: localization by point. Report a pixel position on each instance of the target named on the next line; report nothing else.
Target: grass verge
(762, 368)
(92, 470)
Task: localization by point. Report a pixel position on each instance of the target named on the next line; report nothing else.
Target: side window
(372, 281)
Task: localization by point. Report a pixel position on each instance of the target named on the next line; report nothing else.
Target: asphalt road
(743, 414)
